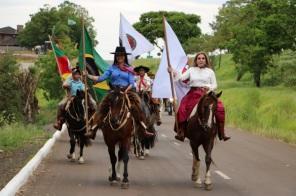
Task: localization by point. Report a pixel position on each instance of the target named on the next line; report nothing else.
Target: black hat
(137, 69)
(120, 50)
(76, 70)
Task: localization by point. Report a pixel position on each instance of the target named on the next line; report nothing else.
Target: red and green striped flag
(63, 62)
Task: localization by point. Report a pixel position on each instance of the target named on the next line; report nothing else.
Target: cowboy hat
(120, 50)
(137, 69)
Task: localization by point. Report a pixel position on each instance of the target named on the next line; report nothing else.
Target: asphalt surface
(246, 165)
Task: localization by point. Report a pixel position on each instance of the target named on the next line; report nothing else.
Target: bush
(10, 96)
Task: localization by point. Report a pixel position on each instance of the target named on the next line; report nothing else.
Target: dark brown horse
(202, 130)
(151, 111)
(75, 121)
(117, 128)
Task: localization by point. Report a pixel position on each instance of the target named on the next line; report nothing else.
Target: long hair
(125, 59)
(208, 63)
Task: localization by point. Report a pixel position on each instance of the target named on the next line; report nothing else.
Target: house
(8, 35)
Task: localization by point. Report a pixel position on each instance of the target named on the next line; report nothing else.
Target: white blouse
(199, 77)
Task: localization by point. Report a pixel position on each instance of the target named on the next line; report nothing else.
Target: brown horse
(202, 130)
(117, 128)
(151, 112)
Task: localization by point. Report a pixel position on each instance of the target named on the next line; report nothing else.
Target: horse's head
(206, 109)
(77, 105)
(117, 105)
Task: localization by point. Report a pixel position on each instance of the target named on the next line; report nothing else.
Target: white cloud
(106, 14)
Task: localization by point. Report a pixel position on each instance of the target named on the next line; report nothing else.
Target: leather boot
(180, 133)
(60, 120)
(221, 132)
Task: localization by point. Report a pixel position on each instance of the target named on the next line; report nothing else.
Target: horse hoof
(113, 181)
(147, 152)
(81, 160)
(71, 157)
(198, 184)
(142, 157)
(124, 185)
(194, 178)
(208, 187)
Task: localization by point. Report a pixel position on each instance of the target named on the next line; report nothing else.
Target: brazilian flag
(95, 65)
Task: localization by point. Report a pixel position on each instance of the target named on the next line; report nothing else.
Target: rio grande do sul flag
(63, 62)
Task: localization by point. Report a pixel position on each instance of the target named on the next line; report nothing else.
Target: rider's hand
(170, 70)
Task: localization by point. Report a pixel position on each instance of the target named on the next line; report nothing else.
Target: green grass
(15, 136)
(267, 111)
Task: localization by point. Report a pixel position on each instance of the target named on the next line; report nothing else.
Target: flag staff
(170, 73)
(55, 55)
(84, 75)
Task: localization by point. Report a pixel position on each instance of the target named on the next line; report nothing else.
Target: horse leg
(119, 164)
(71, 154)
(125, 158)
(196, 167)
(208, 150)
(81, 143)
(113, 160)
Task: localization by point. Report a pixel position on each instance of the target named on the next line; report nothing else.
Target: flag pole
(170, 73)
(55, 55)
(85, 75)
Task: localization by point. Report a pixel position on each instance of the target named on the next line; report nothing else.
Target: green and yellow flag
(95, 65)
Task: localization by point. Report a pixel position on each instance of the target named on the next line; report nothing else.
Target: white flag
(178, 59)
(134, 42)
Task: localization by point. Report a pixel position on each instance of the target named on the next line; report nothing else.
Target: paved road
(246, 165)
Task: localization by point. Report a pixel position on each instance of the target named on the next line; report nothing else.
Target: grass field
(268, 111)
(17, 135)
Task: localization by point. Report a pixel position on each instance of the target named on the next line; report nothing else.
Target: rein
(124, 111)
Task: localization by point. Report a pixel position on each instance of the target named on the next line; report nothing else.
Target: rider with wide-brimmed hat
(120, 75)
(144, 83)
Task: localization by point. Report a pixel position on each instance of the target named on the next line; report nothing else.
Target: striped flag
(63, 62)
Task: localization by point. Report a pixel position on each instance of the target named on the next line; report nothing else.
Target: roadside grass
(19, 134)
(267, 111)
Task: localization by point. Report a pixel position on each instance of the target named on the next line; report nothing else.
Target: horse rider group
(201, 78)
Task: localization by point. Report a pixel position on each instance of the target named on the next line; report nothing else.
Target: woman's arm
(213, 81)
(180, 76)
(105, 76)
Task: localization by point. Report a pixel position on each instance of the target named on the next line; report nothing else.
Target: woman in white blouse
(201, 78)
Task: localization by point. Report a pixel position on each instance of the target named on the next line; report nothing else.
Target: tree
(36, 31)
(184, 25)
(254, 31)
(10, 97)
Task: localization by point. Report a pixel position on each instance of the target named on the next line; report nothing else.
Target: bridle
(206, 126)
(124, 113)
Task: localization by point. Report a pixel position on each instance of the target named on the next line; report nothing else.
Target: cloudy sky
(106, 14)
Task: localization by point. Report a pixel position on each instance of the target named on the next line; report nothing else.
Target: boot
(221, 132)
(93, 129)
(146, 133)
(180, 133)
(58, 124)
(91, 134)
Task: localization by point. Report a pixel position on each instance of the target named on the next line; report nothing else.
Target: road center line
(224, 176)
(176, 143)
